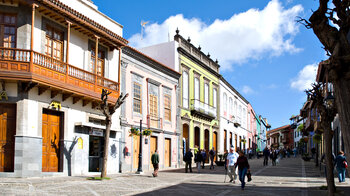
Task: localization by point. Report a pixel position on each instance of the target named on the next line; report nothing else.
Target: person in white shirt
(230, 163)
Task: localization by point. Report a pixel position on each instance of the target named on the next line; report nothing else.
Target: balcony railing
(202, 108)
(54, 72)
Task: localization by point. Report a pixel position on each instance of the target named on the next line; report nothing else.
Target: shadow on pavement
(201, 189)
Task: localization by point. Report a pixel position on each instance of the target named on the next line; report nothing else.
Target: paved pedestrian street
(291, 177)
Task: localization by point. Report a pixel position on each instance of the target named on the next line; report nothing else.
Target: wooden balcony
(48, 73)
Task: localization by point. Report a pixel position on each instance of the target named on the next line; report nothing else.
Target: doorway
(167, 162)
(206, 144)
(153, 146)
(96, 144)
(51, 148)
(7, 136)
(197, 137)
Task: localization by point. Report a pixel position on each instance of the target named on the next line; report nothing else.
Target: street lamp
(139, 169)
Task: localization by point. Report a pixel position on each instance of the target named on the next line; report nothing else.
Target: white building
(233, 118)
(55, 61)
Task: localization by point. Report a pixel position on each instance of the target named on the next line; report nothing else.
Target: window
(167, 107)
(244, 118)
(185, 89)
(100, 62)
(214, 97)
(54, 43)
(153, 105)
(137, 98)
(230, 105)
(235, 108)
(206, 93)
(8, 29)
(225, 103)
(196, 89)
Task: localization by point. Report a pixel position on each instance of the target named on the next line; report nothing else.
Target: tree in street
(108, 111)
(331, 25)
(327, 114)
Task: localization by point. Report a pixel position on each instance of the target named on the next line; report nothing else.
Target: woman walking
(243, 167)
(198, 159)
(341, 166)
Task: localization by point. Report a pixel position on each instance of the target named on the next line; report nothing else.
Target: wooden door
(136, 151)
(215, 137)
(7, 136)
(225, 140)
(167, 153)
(51, 141)
(206, 144)
(153, 146)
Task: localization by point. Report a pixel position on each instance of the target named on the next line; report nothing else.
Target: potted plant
(147, 132)
(317, 138)
(134, 131)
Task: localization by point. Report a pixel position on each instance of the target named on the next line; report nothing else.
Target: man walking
(211, 155)
(188, 160)
(204, 155)
(155, 162)
(230, 164)
(266, 154)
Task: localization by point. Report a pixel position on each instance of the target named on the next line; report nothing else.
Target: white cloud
(249, 35)
(305, 78)
(247, 90)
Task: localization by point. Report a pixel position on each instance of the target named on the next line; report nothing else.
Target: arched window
(230, 105)
(206, 93)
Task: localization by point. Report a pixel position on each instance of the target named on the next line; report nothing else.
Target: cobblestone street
(291, 177)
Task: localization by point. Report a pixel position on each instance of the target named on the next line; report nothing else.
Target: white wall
(90, 10)
(165, 53)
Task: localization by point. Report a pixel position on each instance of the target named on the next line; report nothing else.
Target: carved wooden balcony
(49, 73)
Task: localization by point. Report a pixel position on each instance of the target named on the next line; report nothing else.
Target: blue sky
(268, 57)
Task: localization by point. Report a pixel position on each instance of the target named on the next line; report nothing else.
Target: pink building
(252, 132)
(152, 102)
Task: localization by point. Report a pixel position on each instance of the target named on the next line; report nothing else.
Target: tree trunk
(328, 156)
(105, 147)
(342, 98)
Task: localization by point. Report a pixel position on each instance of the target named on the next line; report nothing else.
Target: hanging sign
(3, 94)
(96, 132)
(80, 143)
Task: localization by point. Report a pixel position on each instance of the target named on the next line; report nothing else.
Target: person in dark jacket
(204, 155)
(155, 162)
(198, 160)
(188, 160)
(243, 168)
(340, 162)
(266, 154)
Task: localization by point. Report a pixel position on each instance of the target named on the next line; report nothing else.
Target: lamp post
(139, 169)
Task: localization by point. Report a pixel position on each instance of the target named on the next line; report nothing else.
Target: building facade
(55, 61)
(152, 104)
(252, 132)
(281, 137)
(233, 118)
(199, 91)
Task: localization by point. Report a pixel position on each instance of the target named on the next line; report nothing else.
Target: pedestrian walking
(198, 159)
(274, 157)
(212, 155)
(188, 160)
(295, 152)
(204, 155)
(266, 154)
(231, 164)
(341, 164)
(243, 168)
(225, 159)
(155, 162)
(250, 153)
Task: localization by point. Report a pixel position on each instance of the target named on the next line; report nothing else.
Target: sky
(263, 52)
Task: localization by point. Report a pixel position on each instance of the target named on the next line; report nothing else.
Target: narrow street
(291, 177)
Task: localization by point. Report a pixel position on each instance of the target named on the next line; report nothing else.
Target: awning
(92, 125)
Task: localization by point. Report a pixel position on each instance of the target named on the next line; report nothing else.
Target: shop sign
(96, 132)
(3, 94)
(80, 143)
(56, 105)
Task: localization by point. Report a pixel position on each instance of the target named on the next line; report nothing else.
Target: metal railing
(204, 108)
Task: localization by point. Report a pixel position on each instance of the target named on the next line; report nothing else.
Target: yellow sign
(80, 143)
(3, 94)
(56, 105)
